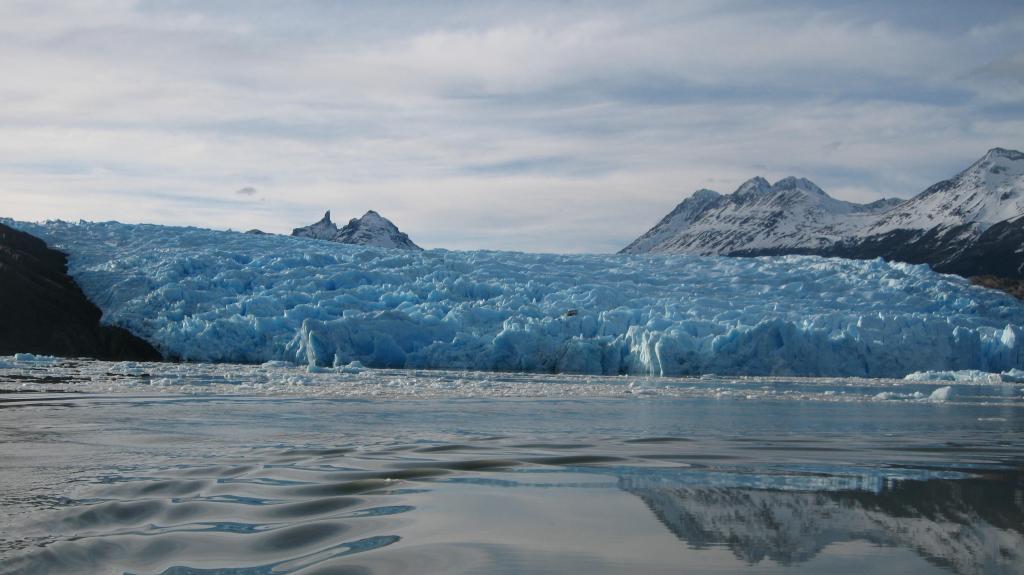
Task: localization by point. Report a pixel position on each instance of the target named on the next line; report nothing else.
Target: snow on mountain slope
(222, 296)
(947, 226)
(672, 225)
(990, 190)
(370, 230)
(792, 213)
(969, 225)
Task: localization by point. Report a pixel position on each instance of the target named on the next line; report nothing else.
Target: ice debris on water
(355, 382)
(203, 295)
(942, 394)
(37, 359)
(895, 395)
(968, 376)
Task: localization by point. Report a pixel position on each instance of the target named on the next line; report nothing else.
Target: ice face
(222, 296)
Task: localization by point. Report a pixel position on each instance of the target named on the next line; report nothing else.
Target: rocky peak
(996, 153)
(989, 191)
(372, 229)
(755, 185)
(321, 230)
(794, 183)
(996, 163)
(705, 194)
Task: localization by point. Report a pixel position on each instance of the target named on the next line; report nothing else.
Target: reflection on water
(180, 486)
(968, 526)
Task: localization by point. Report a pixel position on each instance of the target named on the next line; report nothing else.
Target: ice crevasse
(204, 295)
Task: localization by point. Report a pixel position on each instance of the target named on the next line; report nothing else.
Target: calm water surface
(271, 485)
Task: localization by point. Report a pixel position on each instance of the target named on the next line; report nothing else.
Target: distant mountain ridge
(371, 229)
(970, 224)
(791, 213)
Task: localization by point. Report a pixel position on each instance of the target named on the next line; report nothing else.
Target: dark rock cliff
(43, 311)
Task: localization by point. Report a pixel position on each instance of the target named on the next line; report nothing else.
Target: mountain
(990, 190)
(370, 230)
(792, 213)
(321, 230)
(45, 312)
(970, 224)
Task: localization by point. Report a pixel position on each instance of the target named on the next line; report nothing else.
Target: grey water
(245, 485)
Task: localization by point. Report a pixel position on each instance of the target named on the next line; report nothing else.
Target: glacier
(214, 296)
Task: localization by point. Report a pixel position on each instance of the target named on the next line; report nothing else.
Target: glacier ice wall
(205, 295)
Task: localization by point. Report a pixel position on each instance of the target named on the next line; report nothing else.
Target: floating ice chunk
(890, 395)
(276, 363)
(36, 359)
(352, 367)
(1013, 376)
(127, 368)
(968, 376)
(942, 394)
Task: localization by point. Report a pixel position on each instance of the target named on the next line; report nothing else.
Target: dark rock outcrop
(999, 251)
(43, 311)
(1008, 285)
(372, 229)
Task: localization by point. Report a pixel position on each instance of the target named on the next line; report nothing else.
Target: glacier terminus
(203, 295)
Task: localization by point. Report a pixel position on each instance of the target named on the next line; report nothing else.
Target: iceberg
(942, 394)
(36, 359)
(204, 295)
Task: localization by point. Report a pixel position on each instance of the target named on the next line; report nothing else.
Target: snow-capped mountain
(945, 226)
(791, 213)
(370, 230)
(991, 190)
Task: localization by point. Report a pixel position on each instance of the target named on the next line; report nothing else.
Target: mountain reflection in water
(967, 525)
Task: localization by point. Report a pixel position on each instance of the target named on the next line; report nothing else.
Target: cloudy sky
(555, 126)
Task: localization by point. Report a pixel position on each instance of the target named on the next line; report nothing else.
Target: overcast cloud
(565, 127)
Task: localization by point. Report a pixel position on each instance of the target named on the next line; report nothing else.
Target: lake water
(192, 469)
